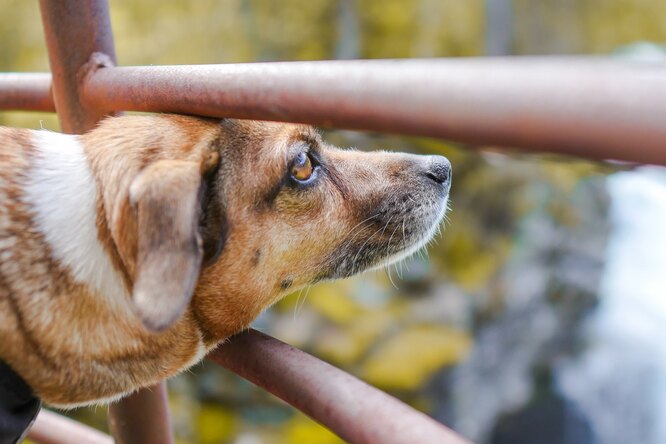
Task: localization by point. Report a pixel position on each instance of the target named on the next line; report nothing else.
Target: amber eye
(301, 169)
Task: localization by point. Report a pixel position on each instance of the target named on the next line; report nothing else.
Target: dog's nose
(439, 169)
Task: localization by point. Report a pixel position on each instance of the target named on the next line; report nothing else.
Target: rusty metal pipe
(76, 30)
(51, 428)
(589, 107)
(79, 41)
(351, 408)
(26, 92)
(142, 417)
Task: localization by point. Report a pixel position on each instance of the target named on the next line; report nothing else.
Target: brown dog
(128, 252)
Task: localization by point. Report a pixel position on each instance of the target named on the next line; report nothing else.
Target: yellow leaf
(334, 303)
(346, 345)
(409, 359)
(215, 424)
(301, 429)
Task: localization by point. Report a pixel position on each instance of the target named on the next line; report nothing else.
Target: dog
(129, 252)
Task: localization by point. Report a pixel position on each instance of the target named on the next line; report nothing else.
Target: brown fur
(175, 192)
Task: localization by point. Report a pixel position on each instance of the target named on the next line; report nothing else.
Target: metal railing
(595, 108)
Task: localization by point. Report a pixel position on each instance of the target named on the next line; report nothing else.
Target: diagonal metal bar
(590, 107)
(357, 412)
(51, 428)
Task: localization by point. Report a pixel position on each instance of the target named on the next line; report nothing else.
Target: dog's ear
(167, 199)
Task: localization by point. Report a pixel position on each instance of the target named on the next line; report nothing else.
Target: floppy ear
(167, 198)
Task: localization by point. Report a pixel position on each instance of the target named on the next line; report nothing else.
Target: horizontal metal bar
(51, 428)
(351, 408)
(594, 108)
(26, 92)
(589, 107)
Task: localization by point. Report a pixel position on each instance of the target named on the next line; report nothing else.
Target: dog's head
(254, 210)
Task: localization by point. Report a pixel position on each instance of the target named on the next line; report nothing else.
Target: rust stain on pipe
(356, 411)
(26, 92)
(589, 107)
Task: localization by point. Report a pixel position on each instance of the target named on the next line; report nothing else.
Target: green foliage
(585, 26)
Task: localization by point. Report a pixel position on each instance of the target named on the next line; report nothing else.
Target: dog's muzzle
(403, 219)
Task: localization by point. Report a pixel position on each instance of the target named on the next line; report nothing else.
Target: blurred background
(540, 313)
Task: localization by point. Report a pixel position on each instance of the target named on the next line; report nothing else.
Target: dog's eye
(302, 168)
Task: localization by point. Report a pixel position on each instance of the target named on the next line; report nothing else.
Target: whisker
(307, 293)
(388, 269)
(388, 246)
(395, 267)
(363, 221)
(403, 240)
(356, 230)
(368, 240)
(388, 266)
(298, 298)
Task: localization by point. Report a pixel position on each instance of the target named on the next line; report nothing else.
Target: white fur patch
(63, 194)
(201, 352)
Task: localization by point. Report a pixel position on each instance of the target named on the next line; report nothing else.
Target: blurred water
(619, 383)
(576, 356)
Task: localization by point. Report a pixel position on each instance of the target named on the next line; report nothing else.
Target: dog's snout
(438, 169)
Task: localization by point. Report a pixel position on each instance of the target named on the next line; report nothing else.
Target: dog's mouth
(424, 230)
(398, 227)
